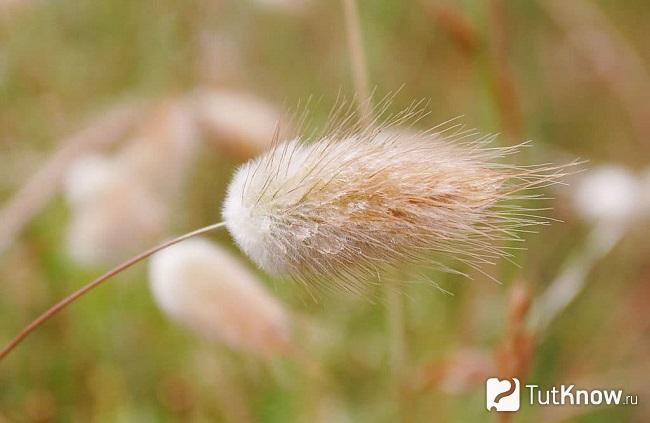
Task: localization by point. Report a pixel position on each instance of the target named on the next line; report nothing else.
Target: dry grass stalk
(206, 288)
(102, 131)
(514, 358)
(515, 354)
(394, 304)
(454, 24)
(504, 81)
(572, 280)
(463, 370)
(617, 64)
(357, 59)
(397, 339)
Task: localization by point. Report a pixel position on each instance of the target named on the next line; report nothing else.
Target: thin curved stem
(83, 290)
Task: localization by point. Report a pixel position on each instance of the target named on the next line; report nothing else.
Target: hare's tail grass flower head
(206, 288)
(113, 215)
(348, 204)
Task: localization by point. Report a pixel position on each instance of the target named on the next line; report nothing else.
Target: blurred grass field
(572, 77)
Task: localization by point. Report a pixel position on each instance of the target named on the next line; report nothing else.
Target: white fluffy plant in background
(611, 195)
(162, 150)
(208, 289)
(121, 202)
(238, 124)
(112, 215)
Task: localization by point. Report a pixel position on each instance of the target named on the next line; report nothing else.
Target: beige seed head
(219, 58)
(610, 195)
(120, 203)
(347, 205)
(113, 216)
(206, 288)
(160, 154)
(239, 124)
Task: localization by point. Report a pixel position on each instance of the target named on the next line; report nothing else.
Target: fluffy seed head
(120, 202)
(89, 178)
(239, 124)
(609, 194)
(347, 205)
(206, 288)
(112, 215)
(160, 154)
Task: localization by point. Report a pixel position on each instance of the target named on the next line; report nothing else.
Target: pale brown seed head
(113, 216)
(206, 288)
(346, 206)
(238, 124)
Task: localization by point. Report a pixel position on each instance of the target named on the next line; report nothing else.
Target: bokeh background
(195, 84)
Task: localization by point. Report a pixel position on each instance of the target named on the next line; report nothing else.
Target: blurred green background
(571, 76)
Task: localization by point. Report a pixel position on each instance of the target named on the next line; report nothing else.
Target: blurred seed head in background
(112, 215)
(612, 195)
(159, 155)
(205, 287)
(238, 124)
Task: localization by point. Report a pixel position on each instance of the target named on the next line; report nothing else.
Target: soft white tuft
(240, 124)
(112, 216)
(160, 155)
(609, 194)
(208, 289)
(89, 177)
(120, 202)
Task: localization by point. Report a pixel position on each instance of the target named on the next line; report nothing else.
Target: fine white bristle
(349, 204)
(208, 289)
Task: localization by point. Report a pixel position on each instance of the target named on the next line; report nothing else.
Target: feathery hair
(355, 201)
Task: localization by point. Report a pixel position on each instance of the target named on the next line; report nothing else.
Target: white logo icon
(502, 394)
